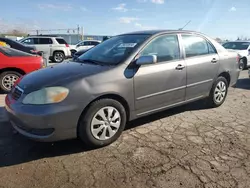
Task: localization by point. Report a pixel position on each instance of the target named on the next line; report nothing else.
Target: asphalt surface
(187, 147)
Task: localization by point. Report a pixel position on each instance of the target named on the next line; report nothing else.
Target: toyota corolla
(126, 77)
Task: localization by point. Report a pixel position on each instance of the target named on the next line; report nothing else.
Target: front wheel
(218, 92)
(8, 79)
(103, 123)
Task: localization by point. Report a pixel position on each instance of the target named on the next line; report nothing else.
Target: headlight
(47, 95)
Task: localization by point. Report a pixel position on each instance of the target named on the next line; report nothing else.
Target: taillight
(66, 45)
(238, 58)
(42, 63)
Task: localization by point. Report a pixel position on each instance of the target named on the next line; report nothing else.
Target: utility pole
(78, 32)
(82, 33)
(185, 25)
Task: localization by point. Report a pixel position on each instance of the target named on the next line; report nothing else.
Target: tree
(218, 40)
(16, 32)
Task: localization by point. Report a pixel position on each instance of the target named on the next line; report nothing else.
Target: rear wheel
(103, 123)
(243, 63)
(218, 92)
(8, 79)
(58, 57)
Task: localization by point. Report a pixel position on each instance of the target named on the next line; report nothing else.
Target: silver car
(55, 47)
(124, 78)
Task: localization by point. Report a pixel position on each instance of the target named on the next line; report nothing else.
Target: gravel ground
(186, 147)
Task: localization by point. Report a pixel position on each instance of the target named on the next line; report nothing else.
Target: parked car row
(124, 78)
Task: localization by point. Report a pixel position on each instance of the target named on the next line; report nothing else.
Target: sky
(226, 19)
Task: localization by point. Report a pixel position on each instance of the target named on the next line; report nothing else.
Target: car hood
(59, 75)
(80, 52)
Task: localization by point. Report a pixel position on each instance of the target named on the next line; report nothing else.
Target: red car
(14, 64)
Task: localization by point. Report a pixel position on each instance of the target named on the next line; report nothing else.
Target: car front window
(114, 50)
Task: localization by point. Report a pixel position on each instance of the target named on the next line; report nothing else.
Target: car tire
(103, 123)
(58, 57)
(7, 80)
(73, 52)
(243, 64)
(218, 92)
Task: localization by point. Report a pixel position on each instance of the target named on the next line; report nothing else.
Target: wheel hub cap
(220, 92)
(105, 123)
(9, 80)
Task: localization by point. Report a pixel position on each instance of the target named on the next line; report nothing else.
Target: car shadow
(243, 83)
(16, 149)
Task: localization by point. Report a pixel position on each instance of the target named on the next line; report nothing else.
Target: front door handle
(214, 60)
(180, 67)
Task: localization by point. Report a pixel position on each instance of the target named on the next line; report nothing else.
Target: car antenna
(185, 25)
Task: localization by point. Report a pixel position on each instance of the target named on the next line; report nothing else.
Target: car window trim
(197, 35)
(163, 62)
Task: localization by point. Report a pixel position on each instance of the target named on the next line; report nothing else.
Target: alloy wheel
(58, 57)
(220, 92)
(9, 80)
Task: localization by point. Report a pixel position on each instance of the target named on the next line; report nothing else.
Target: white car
(55, 47)
(243, 49)
(84, 45)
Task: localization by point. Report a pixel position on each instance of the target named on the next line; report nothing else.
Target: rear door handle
(214, 60)
(180, 67)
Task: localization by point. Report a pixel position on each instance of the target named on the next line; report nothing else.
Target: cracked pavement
(187, 147)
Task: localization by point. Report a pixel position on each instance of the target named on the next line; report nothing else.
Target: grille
(17, 93)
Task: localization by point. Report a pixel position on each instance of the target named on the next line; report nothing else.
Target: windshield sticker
(127, 45)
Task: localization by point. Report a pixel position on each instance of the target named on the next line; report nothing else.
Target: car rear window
(61, 41)
(12, 52)
(236, 45)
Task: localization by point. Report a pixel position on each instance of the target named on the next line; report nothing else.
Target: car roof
(154, 32)
(43, 36)
(91, 40)
(238, 41)
(6, 39)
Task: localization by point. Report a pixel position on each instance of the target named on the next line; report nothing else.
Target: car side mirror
(146, 59)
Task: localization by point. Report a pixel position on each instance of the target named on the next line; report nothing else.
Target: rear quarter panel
(228, 63)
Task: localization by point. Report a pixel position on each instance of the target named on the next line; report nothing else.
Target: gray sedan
(124, 78)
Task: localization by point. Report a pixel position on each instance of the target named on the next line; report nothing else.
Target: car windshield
(236, 45)
(114, 50)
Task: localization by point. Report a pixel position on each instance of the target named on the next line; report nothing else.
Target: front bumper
(44, 123)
